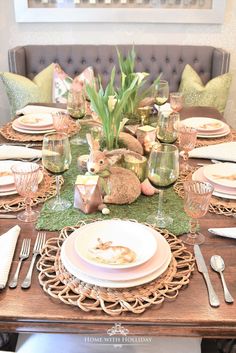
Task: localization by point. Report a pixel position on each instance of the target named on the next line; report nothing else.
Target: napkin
(17, 152)
(31, 109)
(224, 232)
(7, 247)
(223, 151)
(163, 108)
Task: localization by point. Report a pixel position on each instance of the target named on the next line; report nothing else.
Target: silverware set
(217, 264)
(24, 254)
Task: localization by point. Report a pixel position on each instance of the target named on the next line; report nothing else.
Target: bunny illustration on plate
(107, 253)
(119, 185)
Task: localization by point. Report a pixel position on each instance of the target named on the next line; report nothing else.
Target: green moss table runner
(139, 210)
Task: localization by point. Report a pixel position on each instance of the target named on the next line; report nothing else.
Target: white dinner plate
(203, 124)
(29, 128)
(219, 191)
(27, 131)
(35, 120)
(112, 278)
(6, 175)
(223, 174)
(221, 133)
(117, 237)
(198, 122)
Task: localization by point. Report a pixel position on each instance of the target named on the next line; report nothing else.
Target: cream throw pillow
(21, 90)
(213, 94)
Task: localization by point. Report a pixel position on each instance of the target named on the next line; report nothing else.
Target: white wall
(13, 34)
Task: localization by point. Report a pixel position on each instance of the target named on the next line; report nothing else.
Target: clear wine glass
(167, 126)
(163, 170)
(176, 101)
(161, 92)
(197, 195)
(26, 177)
(76, 107)
(56, 158)
(187, 141)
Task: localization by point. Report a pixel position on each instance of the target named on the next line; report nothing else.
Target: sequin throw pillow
(22, 91)
(62, 82)
(213, 94)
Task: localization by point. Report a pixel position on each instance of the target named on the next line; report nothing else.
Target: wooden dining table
(190, 314)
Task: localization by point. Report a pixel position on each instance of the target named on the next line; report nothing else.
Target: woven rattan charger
(59, 283)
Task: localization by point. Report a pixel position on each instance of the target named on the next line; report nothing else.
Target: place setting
(33, 126)
(120, 261)
(209, 130)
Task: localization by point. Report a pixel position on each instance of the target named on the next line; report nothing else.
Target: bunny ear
(94, 145)
(89, 140)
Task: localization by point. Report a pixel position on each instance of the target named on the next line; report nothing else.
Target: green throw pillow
(21, 90)
(213, 94)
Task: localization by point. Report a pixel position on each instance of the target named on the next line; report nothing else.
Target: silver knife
(201, 265)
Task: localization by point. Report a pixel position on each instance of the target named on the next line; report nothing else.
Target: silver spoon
(218, 265)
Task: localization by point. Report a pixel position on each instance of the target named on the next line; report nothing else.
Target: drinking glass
(76, 104)
(76, 107)
(167, 126)
(187, 141)
(161, 92)
(197, 195)
(163, 170)
(60, 121)
(26, 177)
(56, 158)
(176, 101)
(144, 114)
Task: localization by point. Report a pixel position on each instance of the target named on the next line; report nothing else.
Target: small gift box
(87, 196)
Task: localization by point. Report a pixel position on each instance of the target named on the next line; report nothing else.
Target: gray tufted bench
(169, 60)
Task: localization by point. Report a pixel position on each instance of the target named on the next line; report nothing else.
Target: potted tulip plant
(109, 104)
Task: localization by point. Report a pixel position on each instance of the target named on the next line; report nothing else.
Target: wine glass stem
(58, 195)
(28, 202)
(193, 228)
(185, 158)
(160, 202)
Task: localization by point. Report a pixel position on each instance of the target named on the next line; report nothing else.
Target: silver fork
(24, 254)
(38, 245)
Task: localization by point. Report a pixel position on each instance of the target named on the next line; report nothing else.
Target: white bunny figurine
(119, 185)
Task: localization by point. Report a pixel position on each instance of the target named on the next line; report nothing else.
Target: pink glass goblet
(197, 195)
(60, 121)
(26, 177)
(187, 142)
(176, 101)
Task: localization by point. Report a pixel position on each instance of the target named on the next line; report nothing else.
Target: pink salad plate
(113, 278)
(116, 234)
(219, 191)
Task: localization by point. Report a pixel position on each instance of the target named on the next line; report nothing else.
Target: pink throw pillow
(62, 82)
